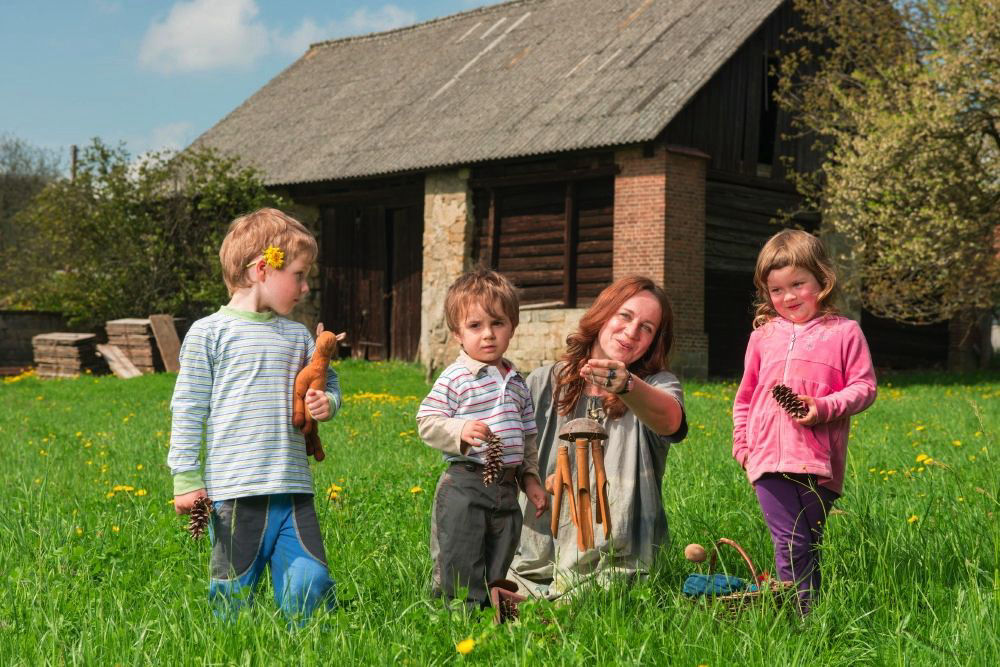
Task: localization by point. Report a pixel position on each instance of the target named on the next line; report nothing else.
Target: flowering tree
(131, 237)
(903, 100)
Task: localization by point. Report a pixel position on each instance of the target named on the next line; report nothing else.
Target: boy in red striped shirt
(475, 528)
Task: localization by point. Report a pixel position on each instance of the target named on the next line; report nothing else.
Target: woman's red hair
(569, 384)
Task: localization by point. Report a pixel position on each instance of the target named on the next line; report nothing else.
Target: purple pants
(795, 508)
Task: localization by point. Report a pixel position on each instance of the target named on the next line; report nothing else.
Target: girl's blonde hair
(250, 235)
(794, 247)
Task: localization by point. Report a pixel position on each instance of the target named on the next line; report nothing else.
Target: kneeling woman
(615, 362)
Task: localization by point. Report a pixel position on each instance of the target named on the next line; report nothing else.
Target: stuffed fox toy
(313, 376)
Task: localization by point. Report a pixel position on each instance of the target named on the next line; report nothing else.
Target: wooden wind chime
(588, 437)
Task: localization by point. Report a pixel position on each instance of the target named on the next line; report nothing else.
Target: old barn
(564, 142)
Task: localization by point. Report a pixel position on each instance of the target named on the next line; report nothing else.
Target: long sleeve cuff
(188, 481)
(442, 433)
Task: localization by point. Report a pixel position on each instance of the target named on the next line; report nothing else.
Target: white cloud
(172, 136)
(205, 34)
(202, 35)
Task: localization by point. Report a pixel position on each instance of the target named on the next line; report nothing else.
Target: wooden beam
(545, 177)
(493, 230)
(569, 246)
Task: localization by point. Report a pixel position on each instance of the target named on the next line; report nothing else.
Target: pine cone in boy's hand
(789, 401)
(493, 465)
(201, 512)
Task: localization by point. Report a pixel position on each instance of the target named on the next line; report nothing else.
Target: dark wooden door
(354, 277)
(372, 270)
(405, 228)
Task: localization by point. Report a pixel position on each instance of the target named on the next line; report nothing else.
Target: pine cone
(493, 464)
(200, 514)
(789, 401)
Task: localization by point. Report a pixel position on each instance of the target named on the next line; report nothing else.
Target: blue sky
(157, 73)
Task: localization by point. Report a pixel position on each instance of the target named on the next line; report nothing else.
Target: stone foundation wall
(541, 336)
(448, 226)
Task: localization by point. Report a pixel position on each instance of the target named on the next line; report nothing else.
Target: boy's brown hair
(487, 287)
(794, 247)
(251, 234)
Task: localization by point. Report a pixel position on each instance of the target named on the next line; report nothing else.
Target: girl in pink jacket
(796, 464)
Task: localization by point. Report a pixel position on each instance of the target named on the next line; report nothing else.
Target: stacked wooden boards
(134, 337)
(59, 355)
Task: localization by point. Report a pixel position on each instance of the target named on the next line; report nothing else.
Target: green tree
(128, 238)
(903, 101)
(24, 171)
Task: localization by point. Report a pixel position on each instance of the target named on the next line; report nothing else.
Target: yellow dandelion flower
(978, 434)
(913, 518)
(38, 480)
(170, 501)
(920, 469)
(39, 398)
(961, 499)
(79, 531)
(871, 470)
(340, 481)
(122, 487)
(110, 494)
(956, 443)
(115, 529)
(465, 646)
(333, 495)
(42, 452)
(920, 428)
(79, 433)
(275, 257)
(139, 467)
(972, 458)
(140, 492)
(891, 472)
(921, 458)
(415, 490)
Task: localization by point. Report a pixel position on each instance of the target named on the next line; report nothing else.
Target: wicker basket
(774, 591)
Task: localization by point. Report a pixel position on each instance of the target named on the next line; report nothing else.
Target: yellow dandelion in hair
(913, 518)
(274, 257)
(415, 490)
(465, 646)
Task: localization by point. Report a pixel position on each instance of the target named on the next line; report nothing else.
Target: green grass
(93, 578)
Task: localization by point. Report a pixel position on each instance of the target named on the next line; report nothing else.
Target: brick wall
(660, 233)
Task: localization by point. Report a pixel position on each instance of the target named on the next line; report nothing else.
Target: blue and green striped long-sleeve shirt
(234, 392)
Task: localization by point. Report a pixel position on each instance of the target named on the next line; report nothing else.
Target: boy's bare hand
(474, 433)
(317, 404)
(813, 415)
(536, 494)
(184, 502)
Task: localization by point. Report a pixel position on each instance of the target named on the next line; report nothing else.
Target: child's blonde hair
(491, 290)
(250, 235)
(794, 247)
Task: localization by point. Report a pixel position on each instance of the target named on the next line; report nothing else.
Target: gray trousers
(474, 531)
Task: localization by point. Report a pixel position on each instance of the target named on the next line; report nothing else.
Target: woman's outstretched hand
(608, 374)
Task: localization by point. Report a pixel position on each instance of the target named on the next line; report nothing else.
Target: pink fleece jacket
(826, 358)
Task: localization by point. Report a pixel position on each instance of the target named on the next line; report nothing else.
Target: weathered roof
(515, 79)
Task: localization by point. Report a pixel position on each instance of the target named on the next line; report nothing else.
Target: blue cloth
(280, 531)
(717, 584)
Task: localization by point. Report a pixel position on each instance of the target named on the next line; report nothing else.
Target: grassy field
(97, 570)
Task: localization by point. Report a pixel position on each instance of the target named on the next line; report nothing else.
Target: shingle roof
(520, 78)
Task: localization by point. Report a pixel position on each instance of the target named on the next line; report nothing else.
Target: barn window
(552, 240)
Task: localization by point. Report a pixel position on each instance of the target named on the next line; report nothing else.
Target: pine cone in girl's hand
(493, 464)
(201, 511)
(789, 400)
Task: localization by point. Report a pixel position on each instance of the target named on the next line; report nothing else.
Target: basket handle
(742, 552)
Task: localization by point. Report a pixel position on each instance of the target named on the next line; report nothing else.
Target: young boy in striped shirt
(475, 528)
(236, 381)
